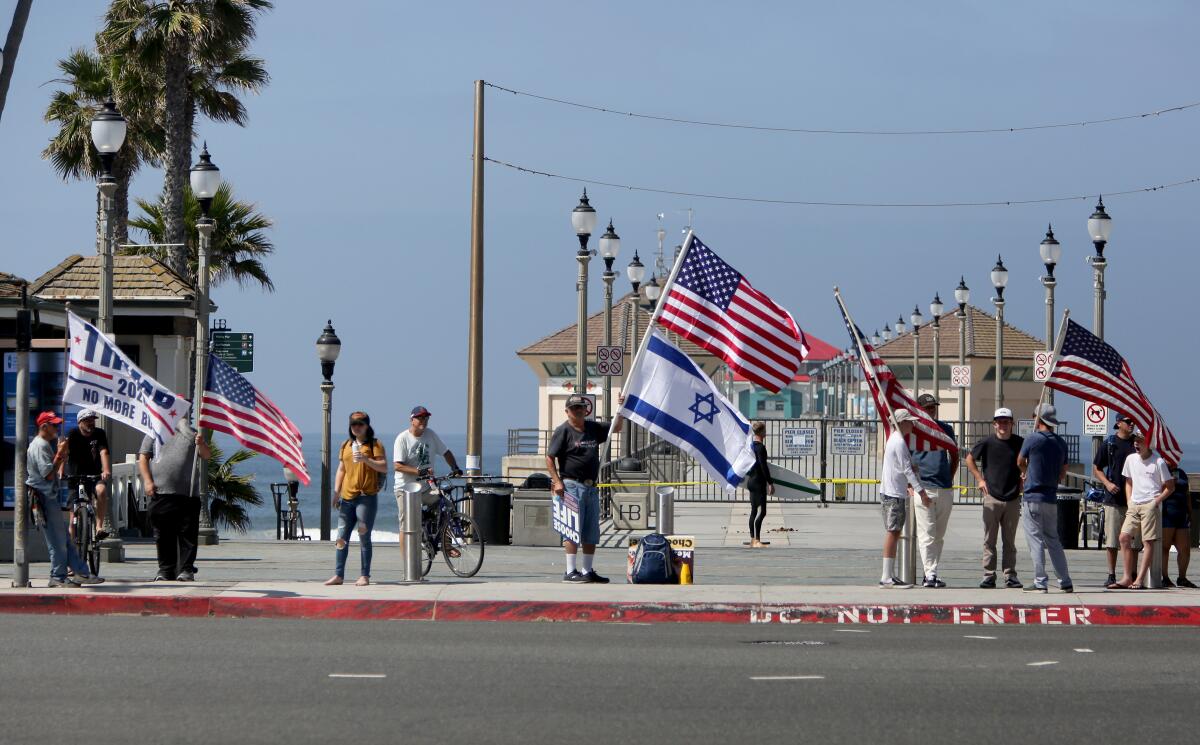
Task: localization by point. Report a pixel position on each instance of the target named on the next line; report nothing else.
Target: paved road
(245, 681)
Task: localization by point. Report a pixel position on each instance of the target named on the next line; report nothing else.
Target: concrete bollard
(412, 531)
(666, 509)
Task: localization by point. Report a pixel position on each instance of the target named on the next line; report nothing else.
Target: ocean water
(268, 470)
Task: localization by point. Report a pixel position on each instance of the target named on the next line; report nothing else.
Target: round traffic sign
(1096, 413)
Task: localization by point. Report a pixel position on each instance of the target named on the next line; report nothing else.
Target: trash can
(1068, 518)
(491, 506)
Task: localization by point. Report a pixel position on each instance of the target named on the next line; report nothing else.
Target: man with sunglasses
(573, 459)
(1106, 468)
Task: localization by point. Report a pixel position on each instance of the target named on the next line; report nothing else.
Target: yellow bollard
(685, 574)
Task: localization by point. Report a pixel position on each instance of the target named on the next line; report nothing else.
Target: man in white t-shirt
(1148, 481)
(897, 484)
(412, 457)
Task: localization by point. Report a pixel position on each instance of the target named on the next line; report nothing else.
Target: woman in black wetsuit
(758, 483)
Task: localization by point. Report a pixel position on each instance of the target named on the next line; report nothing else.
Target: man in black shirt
(1106, 468)
(1000, 482)
(88, 461)
(573, 459)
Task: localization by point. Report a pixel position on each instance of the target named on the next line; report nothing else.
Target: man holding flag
(174, 504)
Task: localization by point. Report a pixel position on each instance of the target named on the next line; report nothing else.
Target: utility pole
(475, 329)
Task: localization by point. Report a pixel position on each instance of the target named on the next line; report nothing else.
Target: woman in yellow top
(362, 465)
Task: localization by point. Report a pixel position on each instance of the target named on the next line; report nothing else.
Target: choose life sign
(565, 517)
(101, 377)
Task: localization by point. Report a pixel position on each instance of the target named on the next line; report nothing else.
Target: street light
(652, 293)
(610, 246)
(205, 180)
(962, 295)
(636, 272)
(1099, 228)
(916, 327)
(329, 346)
(875, 340)
(583, 220)
(1051, 252)
(999, 281)
(900, 327)
(935, 310)
(887, 332)
(108, 134)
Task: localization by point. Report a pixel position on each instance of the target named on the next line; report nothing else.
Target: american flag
(713, 306)
(889, 394)
(233, 406)
(1089, 368)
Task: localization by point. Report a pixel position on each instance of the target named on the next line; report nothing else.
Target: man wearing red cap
(44, 461)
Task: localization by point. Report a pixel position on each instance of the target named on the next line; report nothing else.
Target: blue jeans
(59, 544)
(588, 498)
(1041, 531)
(361, 511)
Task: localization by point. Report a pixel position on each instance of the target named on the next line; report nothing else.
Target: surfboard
(790, 485)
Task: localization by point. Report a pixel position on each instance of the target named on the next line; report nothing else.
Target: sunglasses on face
(358, 424)
(577, 408)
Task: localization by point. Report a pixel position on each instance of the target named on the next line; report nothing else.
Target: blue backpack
(652, 564)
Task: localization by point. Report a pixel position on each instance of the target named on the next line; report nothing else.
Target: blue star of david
(705, 415)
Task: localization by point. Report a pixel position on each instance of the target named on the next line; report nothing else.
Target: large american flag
(714, 306)
(889, 394)
(1089, 368)
(233, 406)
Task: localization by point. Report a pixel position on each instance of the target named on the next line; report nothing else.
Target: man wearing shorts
(1106, 468)
(573, 459)
(1148, 482)
(898, 482)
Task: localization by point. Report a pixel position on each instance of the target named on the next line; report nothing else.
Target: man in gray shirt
(174, 506)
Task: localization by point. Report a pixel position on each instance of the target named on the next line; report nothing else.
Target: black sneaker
(894, 583)
(1013, 583)
(989, 582)
(594, 578)
(1035, 588)
(929, 582)
(574, 578)
(1067, 588)
(160, 577)
(1168, 584)
(1112, 580)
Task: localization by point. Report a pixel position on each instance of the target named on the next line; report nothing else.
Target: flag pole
(862, 352)
(1058, 342)
(66, 358)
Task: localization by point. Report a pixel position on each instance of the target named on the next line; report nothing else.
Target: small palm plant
(232, 493)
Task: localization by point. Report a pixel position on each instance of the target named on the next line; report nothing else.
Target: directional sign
(610, 360)
(1043, 363)
(1095, 419)
(235, 348)
(960, 376)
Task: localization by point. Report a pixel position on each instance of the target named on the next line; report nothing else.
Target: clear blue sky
(359, 149)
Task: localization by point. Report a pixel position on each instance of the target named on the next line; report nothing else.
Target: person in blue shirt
(1043, 464)
(936, 469)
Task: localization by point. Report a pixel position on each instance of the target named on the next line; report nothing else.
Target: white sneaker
(895, 583)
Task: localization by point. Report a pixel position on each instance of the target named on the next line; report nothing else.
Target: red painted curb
(602, 612)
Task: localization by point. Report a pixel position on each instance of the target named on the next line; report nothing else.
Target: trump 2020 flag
(101, 377)
(671, 396)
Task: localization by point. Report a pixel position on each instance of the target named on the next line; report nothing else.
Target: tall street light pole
(583, 219)
(329, 346)
(999, 281)
(108, 134)
(962, 294)
(1051, 252)
(475, 328)
(916, 327)
(205, 180)
(1099, 228)
(636, 272)
(935, 310)
(610, 246)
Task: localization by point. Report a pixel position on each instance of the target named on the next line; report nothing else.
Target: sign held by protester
(565, 517)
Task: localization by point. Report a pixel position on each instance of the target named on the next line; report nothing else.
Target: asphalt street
(134, 679)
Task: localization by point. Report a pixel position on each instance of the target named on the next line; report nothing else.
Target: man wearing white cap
(89, 463)
(897, 483)
(1043, 464)
(993, 463)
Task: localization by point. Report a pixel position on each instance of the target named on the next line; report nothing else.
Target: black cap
(576, 400)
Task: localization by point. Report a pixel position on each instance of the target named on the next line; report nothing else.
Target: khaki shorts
(1144, 520)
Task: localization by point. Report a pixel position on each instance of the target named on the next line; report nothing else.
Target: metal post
(412, 531)
(112, 549)
(962, 361)
(21, 443)
(630, 431)
(666, 509)
(908, 543)
(326, 496)
(204, 226)
(475, 329)
(609, 276)
(583, 256)
(1048, 281)
(916, 361)
(937, 359)
(999, 301)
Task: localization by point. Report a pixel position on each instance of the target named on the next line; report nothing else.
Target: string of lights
(818, 203)
(879, 132)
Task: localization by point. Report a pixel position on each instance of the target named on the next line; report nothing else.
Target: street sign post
(235, 348)
(960, 376)
(1095, 419)
(610, 360)
(1043, 363)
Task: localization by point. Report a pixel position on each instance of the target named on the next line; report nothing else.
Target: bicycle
(444, 528)
(83, 522)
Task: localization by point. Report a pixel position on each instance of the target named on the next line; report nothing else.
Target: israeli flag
(671, 396)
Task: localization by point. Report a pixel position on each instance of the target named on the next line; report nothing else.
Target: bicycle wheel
(462, 546)
(93, 555)
(78, 521)
(427, 552)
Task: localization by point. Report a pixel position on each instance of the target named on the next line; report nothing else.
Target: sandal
(1136, 587)
(1117, 586)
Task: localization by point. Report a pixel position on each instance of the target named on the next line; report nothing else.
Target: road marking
(1084, 649)
(1042, 663)
(971, 636)
(787, 677)
(854, 631)
(357, 675)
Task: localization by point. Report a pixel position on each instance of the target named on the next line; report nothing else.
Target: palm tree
(181, 40)
(238, 244)
(231, 492)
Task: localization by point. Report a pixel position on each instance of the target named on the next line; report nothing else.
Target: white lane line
(787, 677)
(1083, 649)
(1043, 663)
(357, 675)
(854, 631)
(971, 636)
